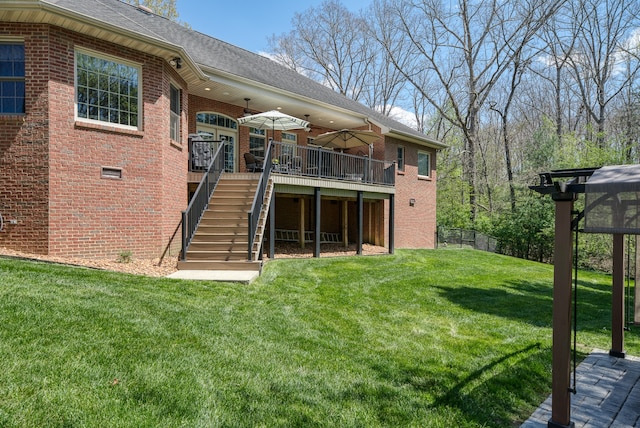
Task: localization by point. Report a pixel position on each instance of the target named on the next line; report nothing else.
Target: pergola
(612, 206)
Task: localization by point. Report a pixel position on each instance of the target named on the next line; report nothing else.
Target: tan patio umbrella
(346, 139)
(273, 119)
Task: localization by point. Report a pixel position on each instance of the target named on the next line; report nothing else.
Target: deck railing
(321, 163)
(201, 152)
(200, 200)
(256, 206)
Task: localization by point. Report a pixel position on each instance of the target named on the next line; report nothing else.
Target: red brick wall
(24, 150)
(91, 216)
(415, 226)
(175, 168)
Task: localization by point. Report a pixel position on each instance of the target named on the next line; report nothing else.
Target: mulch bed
(157, 268)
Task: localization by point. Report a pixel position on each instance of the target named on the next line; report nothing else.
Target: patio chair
(253, 164)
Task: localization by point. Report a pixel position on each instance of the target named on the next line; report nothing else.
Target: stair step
(229, 214)
(229, 238)
(210, 226)
(219, 246)
(221, 240)
(223, 256)
(224, 222)
(230, 204)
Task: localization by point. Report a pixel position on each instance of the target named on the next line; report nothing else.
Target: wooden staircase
(221, 240)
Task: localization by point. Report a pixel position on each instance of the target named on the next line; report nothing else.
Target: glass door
(230, 164)
(229, 139)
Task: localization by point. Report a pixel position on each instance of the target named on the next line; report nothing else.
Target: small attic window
(612, 200)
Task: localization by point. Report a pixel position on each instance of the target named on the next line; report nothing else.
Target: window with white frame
(174, 126)
(289, 143)
(257, 138)
(107, 90)
(400, 158)
(12, 78)
(424, 164)
(289, 137)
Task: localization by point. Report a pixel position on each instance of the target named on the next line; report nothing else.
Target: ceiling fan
(310, 126)
(247, 110)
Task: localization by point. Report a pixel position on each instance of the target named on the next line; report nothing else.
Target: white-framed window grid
(108, 89)
(424, 164)
(223, 128)
(400, 158)
(257, 138)
(176, 112)
(12, 77)
(289, 137)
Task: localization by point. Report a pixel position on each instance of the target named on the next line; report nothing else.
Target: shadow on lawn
(532, 302)
(493, 395)
(495, 400)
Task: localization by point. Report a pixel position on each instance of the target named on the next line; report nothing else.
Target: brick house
(105, 109)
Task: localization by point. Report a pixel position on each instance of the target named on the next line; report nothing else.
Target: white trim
(404, 158)
(179, 114)
(118, 60)
(217, 129)
(288, 141)
(11, 39)
(418, 164)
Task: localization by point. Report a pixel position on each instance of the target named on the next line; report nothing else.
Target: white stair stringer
(262, 221)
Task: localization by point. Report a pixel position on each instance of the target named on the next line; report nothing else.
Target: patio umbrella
(346, 139)
(273, 119)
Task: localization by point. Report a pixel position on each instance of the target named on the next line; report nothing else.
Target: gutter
(49, 10)
(426, 141)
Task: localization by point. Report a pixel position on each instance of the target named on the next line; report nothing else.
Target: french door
(209, 133)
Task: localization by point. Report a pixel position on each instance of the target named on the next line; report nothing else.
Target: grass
(422, 338)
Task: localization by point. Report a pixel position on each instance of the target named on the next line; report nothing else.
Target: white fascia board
(55, 15)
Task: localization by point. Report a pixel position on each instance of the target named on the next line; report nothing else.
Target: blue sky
(248, 23)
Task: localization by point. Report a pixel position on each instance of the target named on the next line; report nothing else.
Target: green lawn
(435, 338)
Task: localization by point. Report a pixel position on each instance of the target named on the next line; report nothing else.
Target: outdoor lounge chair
(253, 164)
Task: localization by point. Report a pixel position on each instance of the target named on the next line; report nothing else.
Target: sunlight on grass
(420, 338)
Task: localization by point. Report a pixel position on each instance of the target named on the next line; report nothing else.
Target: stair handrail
(200, 201)
(254, 213)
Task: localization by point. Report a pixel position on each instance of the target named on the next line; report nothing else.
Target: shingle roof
(211, 53)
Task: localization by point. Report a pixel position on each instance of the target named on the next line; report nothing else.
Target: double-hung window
(12, 83)
(424, 164)
(174, 127)
(400, 158)
(107, 90)
(256, 142)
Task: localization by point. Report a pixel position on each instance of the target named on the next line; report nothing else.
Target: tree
(458, 52)
(515, 78)
(328, 45)
(558, 48)
(166, 8)
(332, 45)
(602, 32)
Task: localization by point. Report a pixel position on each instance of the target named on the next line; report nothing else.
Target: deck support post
(345, 223)
(301, 228)
(360, 222)
(318, 203)
(391, 222)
